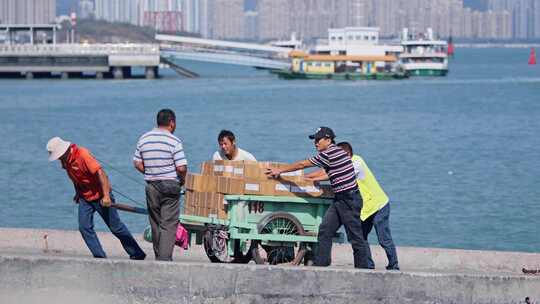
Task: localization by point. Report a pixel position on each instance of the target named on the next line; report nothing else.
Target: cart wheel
(215, 246)
(280, 223)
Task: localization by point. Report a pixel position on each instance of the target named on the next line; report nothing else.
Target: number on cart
(256, 207)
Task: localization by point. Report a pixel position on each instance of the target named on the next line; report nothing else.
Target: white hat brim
(59, 151)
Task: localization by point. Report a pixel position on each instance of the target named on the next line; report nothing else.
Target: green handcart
(265, 229)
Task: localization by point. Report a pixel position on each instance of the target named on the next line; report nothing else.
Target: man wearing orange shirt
(92, 193)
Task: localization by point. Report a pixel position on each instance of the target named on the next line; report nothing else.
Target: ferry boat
(348, 53)
(341, 67)
(423, 55)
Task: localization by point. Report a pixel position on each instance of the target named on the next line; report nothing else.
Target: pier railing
(79, 49)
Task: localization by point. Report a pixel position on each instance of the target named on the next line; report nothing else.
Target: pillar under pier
(118, 73)
(151, 72)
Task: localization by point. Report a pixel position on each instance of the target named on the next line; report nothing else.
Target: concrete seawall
(73, 280)
(65, 274)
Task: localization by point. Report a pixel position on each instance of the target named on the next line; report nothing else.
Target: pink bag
(182, 237)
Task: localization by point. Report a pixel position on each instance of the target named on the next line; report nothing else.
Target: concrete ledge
(74, 280)
(70, 243)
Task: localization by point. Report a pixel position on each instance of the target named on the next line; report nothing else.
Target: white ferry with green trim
(422, 55)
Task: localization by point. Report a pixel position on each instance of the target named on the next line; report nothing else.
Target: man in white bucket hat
(92, 193)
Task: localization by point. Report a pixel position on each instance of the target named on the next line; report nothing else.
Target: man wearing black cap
(347, 204)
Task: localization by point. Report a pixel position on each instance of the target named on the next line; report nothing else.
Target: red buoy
(450, 50)
(532, 57)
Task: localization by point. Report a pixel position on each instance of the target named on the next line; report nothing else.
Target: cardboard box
(302, 189)
(190, 203)
(259, 187)
(282, 188)
(216, 205)
(222, 212)
(246, 169)
(265, 165)
(253, 171)
(310, 189)
(230, 185)
(201, 183)
(227, 168)
(206, 204)
(207, 168)
(306, 189)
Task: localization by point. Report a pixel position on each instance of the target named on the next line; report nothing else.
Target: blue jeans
(111, 218)
(381, 221)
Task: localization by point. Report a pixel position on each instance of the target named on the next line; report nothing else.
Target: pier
(32, 51)
(78, 60)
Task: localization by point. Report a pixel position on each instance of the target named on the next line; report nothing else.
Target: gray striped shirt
(161, 153)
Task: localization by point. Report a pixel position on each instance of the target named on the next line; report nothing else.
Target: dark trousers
(111, 218)
(345, 210)
(381, 221)
(163, 211)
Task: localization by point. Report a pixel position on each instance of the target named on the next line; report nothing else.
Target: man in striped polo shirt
(160, 157)
(347, 203)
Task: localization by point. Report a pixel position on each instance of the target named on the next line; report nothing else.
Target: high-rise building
(27, 11)
(228, 19)
(275, 21)
(536, 19)
(358, 12)
(251, 24)
(467, 23)
(191, 13)
(86, 9)
(163, 15)
(125, 11)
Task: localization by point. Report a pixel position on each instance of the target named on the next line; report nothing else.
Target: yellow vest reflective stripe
(373, 195)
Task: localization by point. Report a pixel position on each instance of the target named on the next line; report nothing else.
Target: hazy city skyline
(310, 19)
(27, 11)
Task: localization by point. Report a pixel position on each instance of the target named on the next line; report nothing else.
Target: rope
(108, 165)
(121, 173)
(129, 198)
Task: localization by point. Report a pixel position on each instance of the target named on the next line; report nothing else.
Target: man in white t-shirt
(228, 149)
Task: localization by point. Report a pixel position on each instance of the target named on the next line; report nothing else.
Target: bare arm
(181, 171)
(299, 165)
(105, 188)
(319, 175)
(139, 166)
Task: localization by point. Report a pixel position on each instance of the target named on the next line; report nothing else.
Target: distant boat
(423, 55)
(341, 67)
(532, 57)
(293, 43)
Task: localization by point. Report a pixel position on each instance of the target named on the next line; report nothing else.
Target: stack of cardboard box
(205, 191)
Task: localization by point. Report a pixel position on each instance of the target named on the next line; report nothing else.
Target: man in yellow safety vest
(376, 207)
